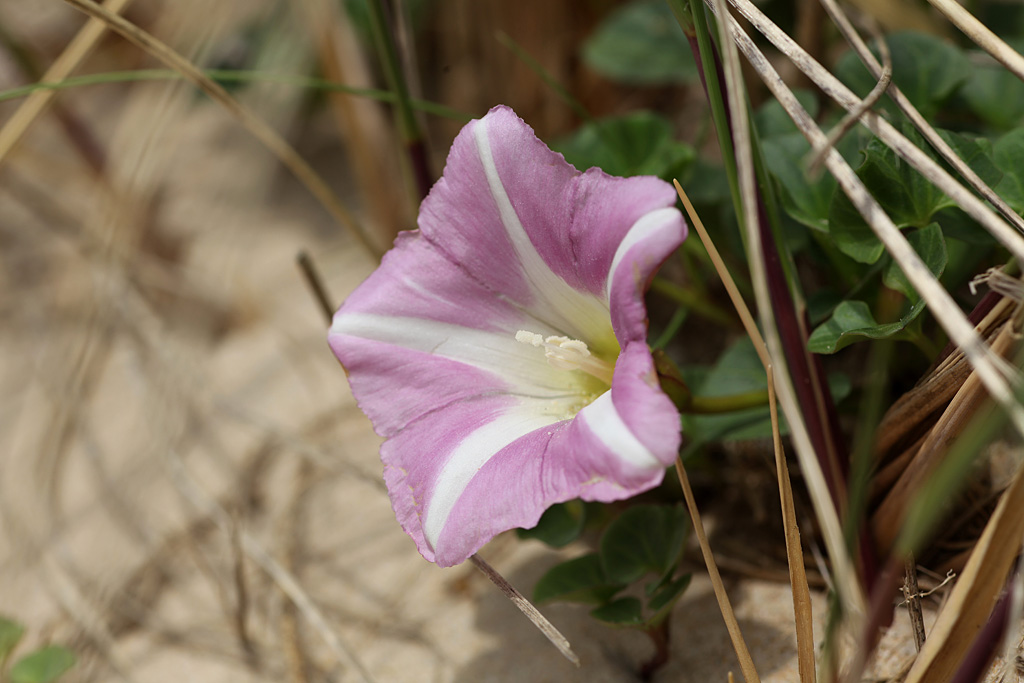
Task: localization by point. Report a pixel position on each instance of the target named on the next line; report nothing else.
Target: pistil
(568, 354)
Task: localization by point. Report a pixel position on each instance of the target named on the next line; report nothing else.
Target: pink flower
(501, 348)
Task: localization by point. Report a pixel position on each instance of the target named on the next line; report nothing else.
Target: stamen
(568, 354)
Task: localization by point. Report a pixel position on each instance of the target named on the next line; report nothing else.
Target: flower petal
(650, 241)
(474, 469)
(424, 322)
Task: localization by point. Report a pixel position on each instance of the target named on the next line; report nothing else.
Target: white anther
(565, 353)
(531, 338)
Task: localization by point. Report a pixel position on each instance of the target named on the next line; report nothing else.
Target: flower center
(568, 354)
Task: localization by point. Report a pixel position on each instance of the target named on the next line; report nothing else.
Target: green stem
(694, 302)
(715, 405)
(233, 76)
(545, 75)
(408, 127)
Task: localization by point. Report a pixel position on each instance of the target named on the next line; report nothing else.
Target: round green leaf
(621, 612)
(644, 538)
(560, 524)
(925, 68)
(930, 245)
(578, 580)
(10, 634)
(640, 143)
(995, 94)
(43, 666)
(852, 322)
(1008, 153)
(641, 43)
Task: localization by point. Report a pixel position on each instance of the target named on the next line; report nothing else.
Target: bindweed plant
(545, 344)
(42, 665)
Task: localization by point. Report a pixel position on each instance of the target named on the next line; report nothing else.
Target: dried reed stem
(852, 118)
(724, 604)
(794, 554)
(284, 579)
(821, 496)
(527, 608)
(255, 125)
(76, 51)
(911, 112)
(992, 370)
(980, 34)
(975, 592)
(831, 86)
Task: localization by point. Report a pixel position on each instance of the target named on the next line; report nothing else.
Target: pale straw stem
(911, 112)
(920, 161)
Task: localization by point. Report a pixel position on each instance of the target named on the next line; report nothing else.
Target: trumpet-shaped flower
(501, 348)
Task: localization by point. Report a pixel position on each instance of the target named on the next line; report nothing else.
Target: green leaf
(976, 152)
(852, 322)
(957, 224)
(559, 525)
(772, 120)
(640, 143)
(1008, 153)
(578, 580)
(641, 44)
(10, 635)
(621, 612)
(644, 538)
(930, 245)
(43, 666)
(669, 593)
(925, 68)
(995, 94)
(806, 200)
(737, 371)
(906, 196)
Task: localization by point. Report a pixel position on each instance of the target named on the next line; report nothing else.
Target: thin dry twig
(975, 592)
(993, 371)
(817, 155)
(821, 498)
(915, 117)
(527, 608)
(73, 55)
(834, 88)
(912, 597)
(284, 579)
(252, 123)
(980, 34)
(794, 554)
(724, 604)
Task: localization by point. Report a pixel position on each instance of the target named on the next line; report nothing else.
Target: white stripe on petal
(466, 460)
(523, 367)
(646, 225)
(604, 421)
(578, 314)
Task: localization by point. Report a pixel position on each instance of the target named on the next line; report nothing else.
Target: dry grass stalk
(975, 591)
(365, 133)
(248, 120)
(980, 34)
(724, 604)
(73, 55)
(852, 118)
(992, 370)
(803, 616)
(915, 117)
(888, 517)
(284, 579)
(834, 88)
(825, 508)
(527, 608)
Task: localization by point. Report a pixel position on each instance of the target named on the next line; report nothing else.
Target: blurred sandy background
(187, 490)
